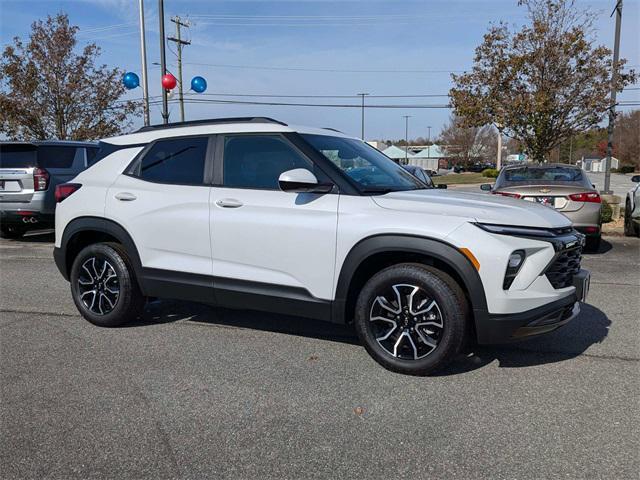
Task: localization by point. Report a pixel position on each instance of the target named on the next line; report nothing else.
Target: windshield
(551, 175)
(372, 171)
(17, 156)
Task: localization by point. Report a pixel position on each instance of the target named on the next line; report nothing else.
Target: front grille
(561, 271)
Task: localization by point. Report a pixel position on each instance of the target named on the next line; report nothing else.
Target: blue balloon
(198, 84)
(130, 80)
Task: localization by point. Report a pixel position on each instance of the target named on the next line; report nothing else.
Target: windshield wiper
(379, 190)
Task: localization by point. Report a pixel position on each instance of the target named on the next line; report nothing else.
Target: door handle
(229, 203)
(125, 196)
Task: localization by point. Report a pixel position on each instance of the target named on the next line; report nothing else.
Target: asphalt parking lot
(195, 392)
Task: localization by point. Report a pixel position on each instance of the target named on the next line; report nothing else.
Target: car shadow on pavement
(167, 311)
(572, 340)
(603, 248)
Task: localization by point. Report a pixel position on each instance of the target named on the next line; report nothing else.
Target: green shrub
(605, 212)
(626, 169)
(490, 173)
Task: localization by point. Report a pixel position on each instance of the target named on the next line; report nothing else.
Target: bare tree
(459, 141)
(542, 83)
(627, 138)
(47, 90)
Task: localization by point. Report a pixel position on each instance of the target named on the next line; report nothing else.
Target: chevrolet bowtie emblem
(544, 190)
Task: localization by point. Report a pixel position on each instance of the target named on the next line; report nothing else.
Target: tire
(593, 244)
(11, 231)
(104, 287)
(418, 344)
(630, 228)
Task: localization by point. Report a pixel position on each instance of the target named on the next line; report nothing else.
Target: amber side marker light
(467, 253)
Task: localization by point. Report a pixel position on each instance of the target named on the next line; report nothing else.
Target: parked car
(632, 210)
(29, 173)
(254, 214)
(565, 188)
(422, 175)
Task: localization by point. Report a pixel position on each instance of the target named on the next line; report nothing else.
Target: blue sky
(330, 48)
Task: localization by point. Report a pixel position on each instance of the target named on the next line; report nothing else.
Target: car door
(162, 200)
(265, 241)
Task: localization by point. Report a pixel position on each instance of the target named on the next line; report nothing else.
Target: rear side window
(176, 161)
(18, 156)
(56, 157)
(256, 161)
(91, 155)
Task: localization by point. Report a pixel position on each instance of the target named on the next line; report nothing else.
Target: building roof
(397, 153)
(434, 151)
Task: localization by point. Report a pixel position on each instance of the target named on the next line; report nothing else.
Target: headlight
(516, 259)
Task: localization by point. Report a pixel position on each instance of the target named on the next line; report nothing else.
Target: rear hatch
(17, 162)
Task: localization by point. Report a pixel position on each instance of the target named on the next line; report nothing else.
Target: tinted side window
(179, 160)
(56, 157)
(17, 155)
(256, 161)
(91, 155)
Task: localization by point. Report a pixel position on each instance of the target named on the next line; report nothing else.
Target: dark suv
(29, 173)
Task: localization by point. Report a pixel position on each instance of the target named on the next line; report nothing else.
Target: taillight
(40, 179)
(65, 190)
(592, 197)
(508, 194)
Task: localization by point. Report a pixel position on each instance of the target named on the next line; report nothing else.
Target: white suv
(252, 213)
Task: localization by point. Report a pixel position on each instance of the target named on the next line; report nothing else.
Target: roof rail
(332, 129)
(211, 121)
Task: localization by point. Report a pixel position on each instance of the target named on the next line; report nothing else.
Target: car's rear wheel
(630, 228)
(11, 231)
(104, 287)
(411, 318)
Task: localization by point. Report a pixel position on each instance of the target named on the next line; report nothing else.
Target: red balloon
(169, 82)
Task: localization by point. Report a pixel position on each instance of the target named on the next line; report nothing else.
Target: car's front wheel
(104, 287)
(411, 318)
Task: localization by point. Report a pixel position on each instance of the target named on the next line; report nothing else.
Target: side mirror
(635, 179)
(486, 187)
(301, 180)
(442, 186)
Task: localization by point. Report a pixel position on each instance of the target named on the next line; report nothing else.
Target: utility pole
(362, 95)
(163, 63)
(571, 151)
(612, 107)
(406, 138)
(179, 42)
(429, 141)
(143, 55)
(499, 155)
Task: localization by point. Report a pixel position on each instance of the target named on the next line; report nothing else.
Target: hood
(479, 207)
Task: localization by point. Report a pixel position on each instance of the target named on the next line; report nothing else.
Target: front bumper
(505, 328)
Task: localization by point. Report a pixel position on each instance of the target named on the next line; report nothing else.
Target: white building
(597, 165)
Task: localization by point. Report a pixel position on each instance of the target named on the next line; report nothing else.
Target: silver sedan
(565, 188)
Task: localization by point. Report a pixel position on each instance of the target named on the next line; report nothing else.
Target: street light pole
(362, 131)
(406, 138)
(612, 107)
(163, 63)
(499, 155)
(143, 55)
(429, 141)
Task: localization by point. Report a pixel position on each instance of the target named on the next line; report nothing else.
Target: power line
(317, 69)
(319, 105)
